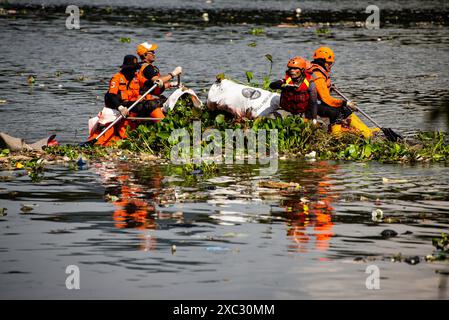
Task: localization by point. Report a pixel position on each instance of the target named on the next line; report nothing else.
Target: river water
(233, 238)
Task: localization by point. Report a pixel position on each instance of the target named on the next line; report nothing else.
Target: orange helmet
(297, 62)
(325, 53)
(145, 47)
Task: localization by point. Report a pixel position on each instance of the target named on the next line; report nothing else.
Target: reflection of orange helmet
(297, 62)
(144, 47)
(325, 53)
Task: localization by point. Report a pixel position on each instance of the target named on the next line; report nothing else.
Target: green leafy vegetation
(323, 31)
(4, 153)
(441, 245)
(266, 79)
(257, 31)
(296, 137)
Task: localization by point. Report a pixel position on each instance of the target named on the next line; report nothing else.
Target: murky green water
(234, 239)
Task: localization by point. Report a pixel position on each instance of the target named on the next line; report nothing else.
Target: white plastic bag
(241, 100)
(104, 117)
(173, 98)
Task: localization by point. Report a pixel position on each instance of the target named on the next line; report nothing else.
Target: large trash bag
(241, 100)
(18, 144)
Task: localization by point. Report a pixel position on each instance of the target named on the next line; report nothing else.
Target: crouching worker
(339, 112)
(122, 93)
(298, 92)
(149, 75)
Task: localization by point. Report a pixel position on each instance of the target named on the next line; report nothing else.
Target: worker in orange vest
(123, 86)
(149, 74)
(123, 91)
(337, 110)
(298, 92)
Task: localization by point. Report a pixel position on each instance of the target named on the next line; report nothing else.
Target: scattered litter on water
(3, 212)
(377, 215)
(386, 180)
(388, 233)
(279, 185)
(397, 257)
(392, 220)
(13, 194)
(26, 209)
(31, 80)
(173, 249)
(412, 260)
(3, 101)
(311, 156)
(81, 162)
(111, 198)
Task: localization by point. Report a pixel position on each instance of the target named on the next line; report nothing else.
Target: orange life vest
(128, 90)
(324, 72)
(323, 85)
(141, 79)
(296, 100)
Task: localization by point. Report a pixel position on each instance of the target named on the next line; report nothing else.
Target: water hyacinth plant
(296, 137)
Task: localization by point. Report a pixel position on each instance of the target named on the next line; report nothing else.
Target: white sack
(241, 100)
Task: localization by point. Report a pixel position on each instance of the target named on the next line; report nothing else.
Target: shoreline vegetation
(296, 139)
(292, 17)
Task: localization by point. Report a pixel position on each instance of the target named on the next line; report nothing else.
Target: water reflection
(157, 198)
(207, 208)
(310, 218)
(229, 226)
